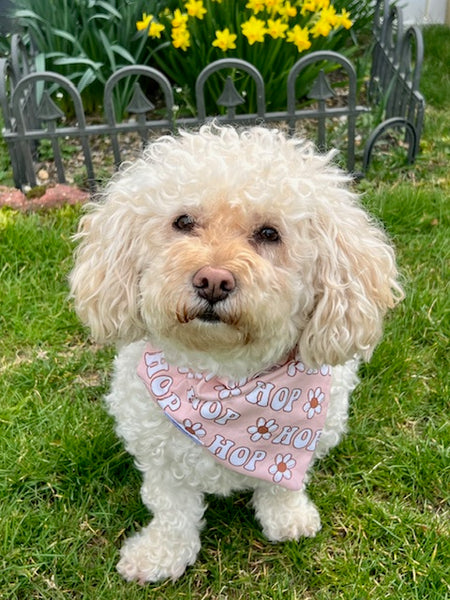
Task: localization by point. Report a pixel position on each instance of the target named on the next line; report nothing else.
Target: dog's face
(224, 280)
(237, 246)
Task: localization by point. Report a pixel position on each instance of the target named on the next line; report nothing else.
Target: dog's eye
(184, 223)
(266, 235)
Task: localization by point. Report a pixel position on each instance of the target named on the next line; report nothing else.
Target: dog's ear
(355, 283)
(104, 280)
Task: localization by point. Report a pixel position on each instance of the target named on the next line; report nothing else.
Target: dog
(242, 283)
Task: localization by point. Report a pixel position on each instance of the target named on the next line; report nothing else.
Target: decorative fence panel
(30, 114)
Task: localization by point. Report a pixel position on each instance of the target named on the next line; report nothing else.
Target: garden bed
(235, 87)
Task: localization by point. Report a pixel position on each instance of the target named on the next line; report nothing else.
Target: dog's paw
(289, 520)
(292, 525)
(154, 555)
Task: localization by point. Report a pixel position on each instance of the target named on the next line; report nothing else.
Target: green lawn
(69, 493)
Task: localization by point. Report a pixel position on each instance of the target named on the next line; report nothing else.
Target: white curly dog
(242, 282)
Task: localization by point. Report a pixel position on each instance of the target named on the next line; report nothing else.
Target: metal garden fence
(30, 114)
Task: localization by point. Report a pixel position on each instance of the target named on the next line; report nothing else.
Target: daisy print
(192, 398)
(325, 370)
(314, 404)
(192, 375)
(282, 468)
(232, 389)
(195, 429)
(312, 372)
(189, 374)
(294, 367)
(262, 430)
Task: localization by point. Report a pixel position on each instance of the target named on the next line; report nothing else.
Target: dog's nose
(213, 284)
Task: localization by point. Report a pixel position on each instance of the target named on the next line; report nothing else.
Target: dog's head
(237, 245)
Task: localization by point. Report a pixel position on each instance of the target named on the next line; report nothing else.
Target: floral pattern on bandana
(263, 429)
(282, 468)
(314, 404)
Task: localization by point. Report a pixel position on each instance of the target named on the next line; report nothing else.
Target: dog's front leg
(284, 514)
(171, 541)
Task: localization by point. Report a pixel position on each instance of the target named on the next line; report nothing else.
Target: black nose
(213, 284)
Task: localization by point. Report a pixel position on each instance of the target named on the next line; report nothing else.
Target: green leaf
(97, 17)
(27, 14)
(107, 47)
(110, 9)
(39, 61)
(55, 54)
(69, 37)
(78, 61)
(123, 53)
(65, 35)
(87, 78)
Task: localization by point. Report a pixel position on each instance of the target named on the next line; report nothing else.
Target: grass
(69, 493)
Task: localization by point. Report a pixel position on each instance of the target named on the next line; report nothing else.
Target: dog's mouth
(212, 321)
(209, 315)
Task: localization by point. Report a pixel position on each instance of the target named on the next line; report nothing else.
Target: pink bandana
(266, 427)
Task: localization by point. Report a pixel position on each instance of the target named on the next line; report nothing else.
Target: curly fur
(322, 289)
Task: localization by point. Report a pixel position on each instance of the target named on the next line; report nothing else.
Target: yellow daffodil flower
(287, 10)
(322, 27)
(179, 19)
(276, 28)
(181, 38)
(195, 8)
(155, 29)
(146, 19)
(255, 5)
(314, 6)
(273, 6)
(300, 37)
(329, 15)
(343, 20)
(254, 30)
(308, 6)
(225, 40)
(148, 22)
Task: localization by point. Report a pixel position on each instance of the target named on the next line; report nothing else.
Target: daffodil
(255, 5)
(195, 8)
(287, 10)
(148, 22)
(155, 29)
(314, 5)
(343, 20)
(254, 30)
(300, 37)
(308, 6)
(179, 19)
(225, 40)
(321, 28)
(181, 38)
(146, 19)
(276, 28)
(329, 15)
(273, 5)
